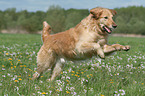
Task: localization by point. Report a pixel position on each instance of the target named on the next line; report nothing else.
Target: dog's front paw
(126, 48)
(101, 55)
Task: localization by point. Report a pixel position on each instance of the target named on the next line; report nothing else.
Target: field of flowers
(120, 74)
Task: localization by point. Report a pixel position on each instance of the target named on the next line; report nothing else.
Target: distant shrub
(130, 20)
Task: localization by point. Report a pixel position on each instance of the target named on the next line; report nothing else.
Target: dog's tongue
(107, 29)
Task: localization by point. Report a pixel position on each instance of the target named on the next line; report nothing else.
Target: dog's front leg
(115, 47)
(88, 47)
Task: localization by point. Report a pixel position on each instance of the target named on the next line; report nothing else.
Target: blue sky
(43, 5)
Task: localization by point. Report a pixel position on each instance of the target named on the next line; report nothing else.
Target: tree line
(130, 20)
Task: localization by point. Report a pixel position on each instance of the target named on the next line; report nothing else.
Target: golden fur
(87, 39)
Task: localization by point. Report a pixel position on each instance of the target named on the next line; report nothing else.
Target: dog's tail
(46, 30)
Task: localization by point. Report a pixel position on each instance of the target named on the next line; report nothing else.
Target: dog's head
(105, 18)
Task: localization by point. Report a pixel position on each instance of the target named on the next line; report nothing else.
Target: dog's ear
(96, 12)
(113, 11)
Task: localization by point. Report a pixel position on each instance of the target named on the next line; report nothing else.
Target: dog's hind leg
(45, 61)
(57, 69)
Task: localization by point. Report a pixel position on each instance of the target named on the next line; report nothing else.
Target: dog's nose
(114, 25)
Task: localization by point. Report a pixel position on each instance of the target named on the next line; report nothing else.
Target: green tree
(121, 23)
(31, 24)
(74, 16)
(10, 17)
(129, 20)
(2, 21)
(55, 16)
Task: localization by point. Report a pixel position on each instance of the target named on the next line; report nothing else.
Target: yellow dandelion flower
(102, 95)
(88, 76)
(21, 65)
(57, 90)
(30, 69)
(18, 76)
(43, 93)
(20, 79)
(29, 75)
(82, 72)
(142, 83)
(3, 65)
(73, 71)
(19, 60)
(72, 74)
(30, 78)
(41, 76)
(77, 72)
(11, 62)
(10, 59)
(16, 81)
(91, 75)
(76, 75)
(24, 65)
(61, 72)
(67, 92)
(111, 82)
(11, 67)
(7, 53)
(14, 66)
(67, 80)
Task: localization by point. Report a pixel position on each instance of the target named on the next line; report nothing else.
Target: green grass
(122, 73)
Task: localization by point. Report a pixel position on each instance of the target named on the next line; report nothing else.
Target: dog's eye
(106, 17)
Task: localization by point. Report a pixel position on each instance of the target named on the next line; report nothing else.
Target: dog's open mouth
(106, 29)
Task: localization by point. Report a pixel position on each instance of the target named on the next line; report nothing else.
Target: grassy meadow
(120, 74)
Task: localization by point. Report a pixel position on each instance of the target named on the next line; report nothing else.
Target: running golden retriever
(87, 39)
